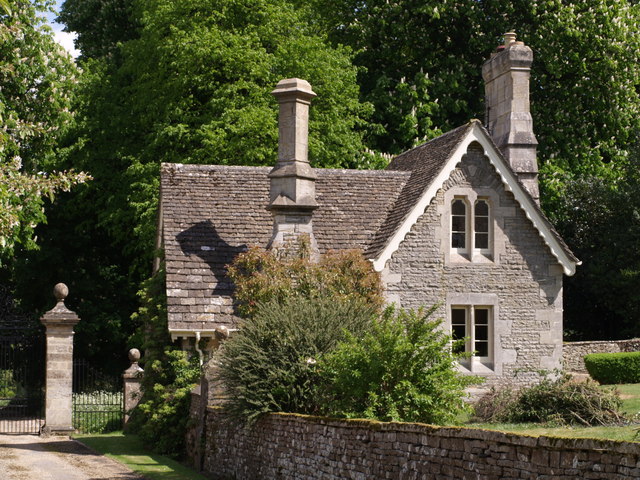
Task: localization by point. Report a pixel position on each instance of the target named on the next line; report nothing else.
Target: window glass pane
(458, 316)
(458, 327)
(482, 224)
(482, 332)
(482, 240)
(458, 207)
(482, 316)
(482, 349)
(458, 224)
(458, 332)
(458, 240)
(482, 208)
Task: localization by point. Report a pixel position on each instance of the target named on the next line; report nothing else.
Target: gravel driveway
(30, 457)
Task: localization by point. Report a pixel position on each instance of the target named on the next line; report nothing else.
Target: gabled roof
(424, 162)
(431, 165)
(210, 213)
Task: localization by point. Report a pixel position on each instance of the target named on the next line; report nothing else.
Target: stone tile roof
(424, 162)
(210, 213)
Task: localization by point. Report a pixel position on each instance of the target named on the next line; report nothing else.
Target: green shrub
(261, 276)
(8, 385)
(612, 368)
(162, 415)
(269, 365)
(560, 401)
(169, 376)
(401, 369)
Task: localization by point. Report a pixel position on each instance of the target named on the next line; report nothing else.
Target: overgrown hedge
(613, 368)
(169, 375)
(315, 340)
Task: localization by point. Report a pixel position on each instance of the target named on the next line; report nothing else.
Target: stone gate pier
(59, 322)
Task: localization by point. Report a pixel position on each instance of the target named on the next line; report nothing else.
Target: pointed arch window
(459, 222)
(471, 226)
(481, 226)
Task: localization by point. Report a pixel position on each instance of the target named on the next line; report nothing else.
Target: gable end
(511, 183)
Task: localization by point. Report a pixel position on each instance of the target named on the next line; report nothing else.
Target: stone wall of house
(573, 352)
(521, 280)
(285, 446)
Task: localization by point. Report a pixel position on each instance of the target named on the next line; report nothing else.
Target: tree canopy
(189, 82)
(101, 25)
(422, 60)
(166, 81)
(193, 87)
(601, 220)
(36, 81)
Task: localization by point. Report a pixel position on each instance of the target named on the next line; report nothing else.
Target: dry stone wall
(573, 352)
(287, 446)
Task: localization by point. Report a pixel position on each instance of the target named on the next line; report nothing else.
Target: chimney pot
(292, 192)
(508, 118)
(509, 38)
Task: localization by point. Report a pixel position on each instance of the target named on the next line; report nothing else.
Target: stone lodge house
(454, 222)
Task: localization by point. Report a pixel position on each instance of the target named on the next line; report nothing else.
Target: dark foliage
(600, 220)
(170, 374)
(401, 369)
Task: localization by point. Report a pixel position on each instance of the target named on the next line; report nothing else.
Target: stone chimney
(508, 118)
(292, 193)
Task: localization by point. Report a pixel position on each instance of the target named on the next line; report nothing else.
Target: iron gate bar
(98, 399)
(21, 384)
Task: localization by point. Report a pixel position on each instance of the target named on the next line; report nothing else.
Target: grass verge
(627, 433)
(128, 450)
(630, 394)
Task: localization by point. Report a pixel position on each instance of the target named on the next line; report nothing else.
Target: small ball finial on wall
(134, 355)
(60, 291)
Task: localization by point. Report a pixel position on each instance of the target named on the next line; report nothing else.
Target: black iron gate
(21, 384)
(98, 400)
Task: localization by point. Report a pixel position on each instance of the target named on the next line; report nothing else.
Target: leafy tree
(401, 369)
(193, 87)
(174, 82)
(36, 79)
(101, 25)
(422, 62)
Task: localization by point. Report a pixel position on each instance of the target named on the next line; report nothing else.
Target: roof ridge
(425, 162)
(439, 138)
(208, 166)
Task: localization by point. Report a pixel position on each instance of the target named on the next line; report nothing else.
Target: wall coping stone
(467, 433)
